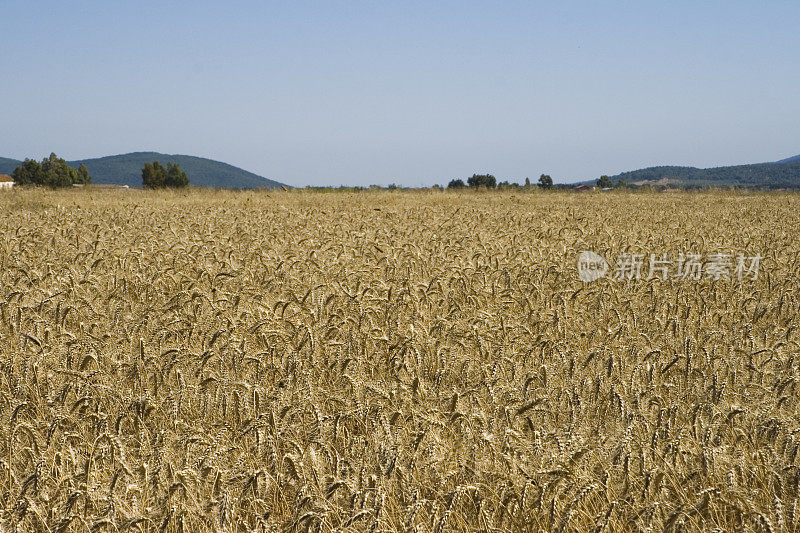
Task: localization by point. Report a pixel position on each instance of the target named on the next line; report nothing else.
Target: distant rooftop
(5, 177)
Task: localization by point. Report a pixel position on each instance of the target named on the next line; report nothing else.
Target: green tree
(527, 183)
(176, 177)
(156, 176)
(52, 172)
(456, 184)
(482, 180)
(604, 182)
(545, 181)
(28, 173)
(83, 173)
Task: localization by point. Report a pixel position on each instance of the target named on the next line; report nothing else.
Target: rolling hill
(7, 165)
(126, 169)
(784, 174)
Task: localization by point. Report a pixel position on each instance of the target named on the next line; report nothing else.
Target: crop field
(396, 361)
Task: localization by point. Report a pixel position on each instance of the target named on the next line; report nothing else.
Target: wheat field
(394, 361)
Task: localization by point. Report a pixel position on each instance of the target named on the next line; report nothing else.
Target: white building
(6, 182)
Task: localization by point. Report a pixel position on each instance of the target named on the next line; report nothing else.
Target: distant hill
(126, 169)
(7, 165)
(784, 174)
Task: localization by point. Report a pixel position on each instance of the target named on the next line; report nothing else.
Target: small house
(6, 182)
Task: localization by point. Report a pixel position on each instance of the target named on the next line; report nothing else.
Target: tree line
(488, 181)
(54, 172)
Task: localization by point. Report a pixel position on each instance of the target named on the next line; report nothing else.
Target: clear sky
(417, 93)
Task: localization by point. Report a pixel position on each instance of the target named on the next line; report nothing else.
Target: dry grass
(219, 361)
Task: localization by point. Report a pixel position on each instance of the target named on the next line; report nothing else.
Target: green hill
(7, 165)
(784, 174)
(126, 169)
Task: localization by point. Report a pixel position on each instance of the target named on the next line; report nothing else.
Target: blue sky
(415, 93)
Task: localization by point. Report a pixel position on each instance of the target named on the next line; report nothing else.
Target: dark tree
(545, 181)
(156, 176)
(83, 172)
(456, 184)
(176, 177)
(28, 173)
(482, 180)
(52, 172)
(604, 182)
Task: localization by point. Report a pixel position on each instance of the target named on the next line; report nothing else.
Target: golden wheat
(415, 361)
